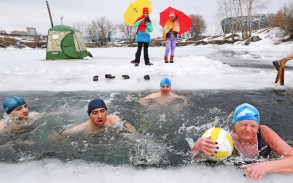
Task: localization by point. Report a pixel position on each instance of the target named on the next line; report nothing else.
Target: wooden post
(49, 14)
(281, 74)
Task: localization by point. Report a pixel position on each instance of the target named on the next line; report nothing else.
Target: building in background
(256, 22)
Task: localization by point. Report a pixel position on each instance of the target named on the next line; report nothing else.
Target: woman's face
(246, 130)
(145, 14)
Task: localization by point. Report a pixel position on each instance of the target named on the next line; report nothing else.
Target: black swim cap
(94, 104)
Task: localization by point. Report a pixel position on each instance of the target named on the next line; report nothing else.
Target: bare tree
(101, 30)
(198, 26)
(92, 30)
(111, 30)
(284, 19)
(251, 7)
(229, 9)
(81, 27)
(128, 31)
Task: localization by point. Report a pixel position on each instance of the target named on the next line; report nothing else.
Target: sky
(19, 14)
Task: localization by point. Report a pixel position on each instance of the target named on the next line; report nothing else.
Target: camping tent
(65, 42)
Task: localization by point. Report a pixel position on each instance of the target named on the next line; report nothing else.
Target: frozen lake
(215, 79)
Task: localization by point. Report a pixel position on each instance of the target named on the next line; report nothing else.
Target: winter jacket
(171, 30)
(143, 30)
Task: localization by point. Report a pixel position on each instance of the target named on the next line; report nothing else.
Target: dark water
(163, 129)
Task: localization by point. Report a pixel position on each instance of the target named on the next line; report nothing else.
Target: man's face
(165, 90)
(20, 112)
(99, 117)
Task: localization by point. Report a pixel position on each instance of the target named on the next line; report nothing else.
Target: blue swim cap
(246, 112)
(11, 103)
(94, 104)
(165, 82)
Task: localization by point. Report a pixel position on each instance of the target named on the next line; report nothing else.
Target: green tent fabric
(65, 42)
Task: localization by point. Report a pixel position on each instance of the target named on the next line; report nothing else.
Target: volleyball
(225, 143)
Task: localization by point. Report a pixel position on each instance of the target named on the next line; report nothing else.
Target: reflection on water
(163, 129)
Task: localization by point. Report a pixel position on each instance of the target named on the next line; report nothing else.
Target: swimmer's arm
(275, 142)
(43, 114)
(74, 130)
(259, 170)
(151, 96)
(144, 101)
(2, 126)
(184, 99)
(64, 133)
(127, 127)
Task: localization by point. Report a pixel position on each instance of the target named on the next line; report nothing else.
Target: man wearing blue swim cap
(17, 111)
(165, 87)
(98, 118)
(253, 141)
(164, 95)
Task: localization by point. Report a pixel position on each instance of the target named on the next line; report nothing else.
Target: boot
(166, 59)
(278, 63)
(171, 59)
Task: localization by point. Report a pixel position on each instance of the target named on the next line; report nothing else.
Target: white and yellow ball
(225, 143)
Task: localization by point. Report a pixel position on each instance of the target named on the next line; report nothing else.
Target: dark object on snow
(149, 64)
(276, 64)
(252, 39)
(147, 77)
(95, 78)
(89, 54)
(133, 62)
(109, 76)
(125, 76)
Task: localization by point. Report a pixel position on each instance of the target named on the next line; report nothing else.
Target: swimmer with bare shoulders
(98, 119)
(164, 96)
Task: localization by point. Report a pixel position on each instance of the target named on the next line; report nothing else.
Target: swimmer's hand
(206, 146)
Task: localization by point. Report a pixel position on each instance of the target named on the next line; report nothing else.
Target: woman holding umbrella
(144, 27)
(174, 22)
(170, 34)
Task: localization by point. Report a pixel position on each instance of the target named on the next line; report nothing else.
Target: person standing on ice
(144, 27)
(170, 34)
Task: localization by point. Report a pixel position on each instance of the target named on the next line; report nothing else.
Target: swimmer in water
(252, 140)
(98, 119)
(18, 115)
(164, 96)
